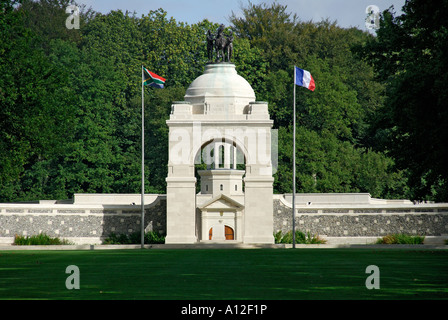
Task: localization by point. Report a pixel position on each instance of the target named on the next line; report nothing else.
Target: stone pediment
(221, 202)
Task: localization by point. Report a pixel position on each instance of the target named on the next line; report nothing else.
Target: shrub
(399, 238)
(41, 239)
(154, 238)
(301, 238)
(151, 237)
(115, 238)
(278, 237)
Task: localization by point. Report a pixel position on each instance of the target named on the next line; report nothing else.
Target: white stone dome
(220, 83)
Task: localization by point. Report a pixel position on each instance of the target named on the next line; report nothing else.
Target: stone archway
(220, 105)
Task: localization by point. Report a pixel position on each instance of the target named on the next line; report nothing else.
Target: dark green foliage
(401, 239)
(135, 238)
(301, 238)
(41, 239)
(70, 100)
(410, 58)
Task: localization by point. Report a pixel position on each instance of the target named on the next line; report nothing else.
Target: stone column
(234, 157)
(227, 148)
(258, 209)
(181, 210)
(216, 154)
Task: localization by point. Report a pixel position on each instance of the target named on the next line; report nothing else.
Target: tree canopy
(410, 57)
(70, 99)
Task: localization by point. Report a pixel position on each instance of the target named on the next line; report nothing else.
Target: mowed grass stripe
(272, 274)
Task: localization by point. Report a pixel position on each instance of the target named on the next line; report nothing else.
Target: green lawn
(255, 274)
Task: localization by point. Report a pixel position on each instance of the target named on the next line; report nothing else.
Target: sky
(347, 13)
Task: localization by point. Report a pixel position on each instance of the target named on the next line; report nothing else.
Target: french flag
(303, 78)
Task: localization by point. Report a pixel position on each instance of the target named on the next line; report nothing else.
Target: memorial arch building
(221, 128)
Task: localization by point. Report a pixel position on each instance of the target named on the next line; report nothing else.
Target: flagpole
(294, 169)
(143, 163)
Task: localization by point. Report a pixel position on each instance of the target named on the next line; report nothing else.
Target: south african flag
(152, 80)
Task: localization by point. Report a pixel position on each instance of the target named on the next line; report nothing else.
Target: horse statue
(220, 43)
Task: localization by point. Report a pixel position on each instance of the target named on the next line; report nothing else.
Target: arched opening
(220, 168)
(229, 233)
(219, 154)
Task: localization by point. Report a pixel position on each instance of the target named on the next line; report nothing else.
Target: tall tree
(270, 28)
(47, 19)
(35, 113)
(335, 116)
(411, 58)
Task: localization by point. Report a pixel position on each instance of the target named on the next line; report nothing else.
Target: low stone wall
(81, 224)
(85, 223)
(363, 221)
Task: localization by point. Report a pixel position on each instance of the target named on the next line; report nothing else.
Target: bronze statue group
(220, 43)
